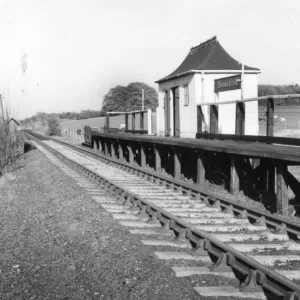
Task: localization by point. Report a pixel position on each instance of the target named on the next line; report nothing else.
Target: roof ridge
(203, 44)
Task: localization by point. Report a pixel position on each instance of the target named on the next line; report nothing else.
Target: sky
(65, 55)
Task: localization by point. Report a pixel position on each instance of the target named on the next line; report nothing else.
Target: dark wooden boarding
(257, 150)
(264, 163)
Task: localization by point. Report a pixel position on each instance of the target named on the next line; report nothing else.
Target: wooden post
(126, 121)
(282, 189)
(177, 164)
(142, 121)
(121, 154)
(234, 176)
(106, 147)
(143, 156)
(199, 119)
(200, 169)
(149, 116)
(270, 117)
(112, 150)
(176, 112)
(107, 121)
(240, 119)
(271, 177)
(133, 122)
(214, 116)
(131, 157)
(157, 159)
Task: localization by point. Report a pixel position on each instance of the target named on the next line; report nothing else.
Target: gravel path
(57, 243)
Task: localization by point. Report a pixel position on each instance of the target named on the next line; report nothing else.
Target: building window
(186, 94)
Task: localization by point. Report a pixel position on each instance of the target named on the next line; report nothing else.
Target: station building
(206, 77)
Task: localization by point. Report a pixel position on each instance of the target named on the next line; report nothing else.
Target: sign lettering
(228, 83)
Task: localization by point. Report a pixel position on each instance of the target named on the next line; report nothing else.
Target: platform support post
(143, 156)
(234, 176)
(106, 148)
(121, 154)
(112, 150)
(200, 169)
(157, 156)
(131, 157)
(282, 189)
(177, 164)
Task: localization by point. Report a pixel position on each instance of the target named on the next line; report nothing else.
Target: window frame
(186, 96)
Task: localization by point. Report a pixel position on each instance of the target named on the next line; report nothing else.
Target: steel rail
(257, 275)
(279, 224)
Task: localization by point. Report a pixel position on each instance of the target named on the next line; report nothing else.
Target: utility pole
(143, 98)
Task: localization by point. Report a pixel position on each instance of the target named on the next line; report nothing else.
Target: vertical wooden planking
(126, 122)
(106, 147)
(143, 156)
(199, 119)
(234, 176)
(107, 121)
(142, 121)
(270, 117)
(112, 150)
(131, 157)
(214, 122)
(121, 154)
(133, 121)
(282, 188)
(157, 158)
(240, 119)
(177, 164)
(200, 169)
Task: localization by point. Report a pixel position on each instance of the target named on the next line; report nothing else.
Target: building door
(167, 113)
(176, 112)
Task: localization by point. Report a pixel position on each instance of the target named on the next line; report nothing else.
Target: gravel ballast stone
(58, 243)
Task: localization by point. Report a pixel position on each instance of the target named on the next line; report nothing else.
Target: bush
(8, 145)
(54, 127)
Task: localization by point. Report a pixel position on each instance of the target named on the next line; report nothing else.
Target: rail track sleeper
(281, 229)
(154, 219)
(181, 237)
(221, 265)
(229, 210)
(243, 214)
(127, 202)
(216, 204)
(273, 282)
(250, 285)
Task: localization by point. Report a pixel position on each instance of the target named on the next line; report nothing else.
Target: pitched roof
(209, 55)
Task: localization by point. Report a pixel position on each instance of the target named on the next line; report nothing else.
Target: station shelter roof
(209, 55)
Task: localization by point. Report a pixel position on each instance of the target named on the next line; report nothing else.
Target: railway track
(231, 240)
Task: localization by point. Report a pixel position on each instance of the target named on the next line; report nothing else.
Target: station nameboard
(228, 83)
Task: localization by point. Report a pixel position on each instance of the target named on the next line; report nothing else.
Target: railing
(133, 129)
(240, 114)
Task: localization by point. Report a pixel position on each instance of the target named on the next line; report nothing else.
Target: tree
(129, 98)
(54, 127)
